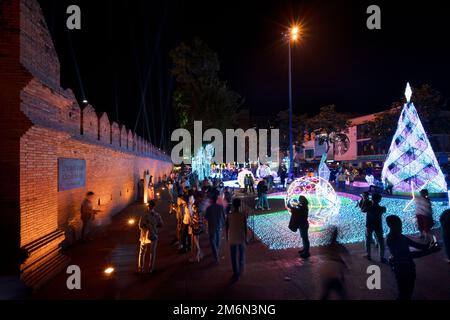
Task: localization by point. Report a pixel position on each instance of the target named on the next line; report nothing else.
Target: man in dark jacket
(374, 224)
(401, 261)
(299, 220)
(215, 215)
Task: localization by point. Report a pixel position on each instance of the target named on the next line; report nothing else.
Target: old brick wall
(48, 124)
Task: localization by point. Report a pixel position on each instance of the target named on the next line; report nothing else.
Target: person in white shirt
(236, 226)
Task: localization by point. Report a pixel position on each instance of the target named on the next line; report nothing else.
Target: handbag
(292, 224)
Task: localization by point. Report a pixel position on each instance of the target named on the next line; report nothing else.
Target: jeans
(237, 257)
(304, 235)
(263, 201)
(86, 228)
(406, 278)
(142, 252)
(214, 239)
(380, 240)
(185, 238)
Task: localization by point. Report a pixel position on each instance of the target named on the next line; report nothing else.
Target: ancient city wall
(43, 124)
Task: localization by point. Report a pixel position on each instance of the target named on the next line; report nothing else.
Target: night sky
(338, 62)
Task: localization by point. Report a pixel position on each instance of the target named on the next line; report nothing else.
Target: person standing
(149, 224)
(186, 221)
(299, 220)
(374, 224)
(215, 215)
(262, 195)
(445, 231)
(197, 230)
(236, 226)
(424, 215)
(282, 172)
(181, 209)
(251, 184)
(247, 183)
(341, 180)
(228, 197)
(401, 261)
(87, 215)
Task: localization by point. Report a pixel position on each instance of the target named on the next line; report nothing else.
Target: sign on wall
(71, 173)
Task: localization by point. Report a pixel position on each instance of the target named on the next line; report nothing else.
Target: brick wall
(42, 122)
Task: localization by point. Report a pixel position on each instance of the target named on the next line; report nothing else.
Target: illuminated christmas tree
(411, 164)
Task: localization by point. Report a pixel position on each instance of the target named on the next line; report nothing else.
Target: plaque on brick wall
(71, 173)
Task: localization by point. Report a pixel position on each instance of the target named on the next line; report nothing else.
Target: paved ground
(269, 274)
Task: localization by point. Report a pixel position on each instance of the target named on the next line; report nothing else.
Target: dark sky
(338, 62)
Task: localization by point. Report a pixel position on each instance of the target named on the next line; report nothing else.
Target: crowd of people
(200, 208)
(209, 208)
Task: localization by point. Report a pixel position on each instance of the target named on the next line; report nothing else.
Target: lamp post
(292, 35)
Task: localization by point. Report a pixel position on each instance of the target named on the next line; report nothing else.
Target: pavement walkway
(269, 274)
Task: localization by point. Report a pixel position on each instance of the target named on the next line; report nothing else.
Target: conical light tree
(411, 164)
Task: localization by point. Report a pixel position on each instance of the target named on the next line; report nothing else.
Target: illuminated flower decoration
(323, 200)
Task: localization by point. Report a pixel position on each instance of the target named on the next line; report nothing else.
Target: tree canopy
(329, 125)
(431, 107)
(199, 93)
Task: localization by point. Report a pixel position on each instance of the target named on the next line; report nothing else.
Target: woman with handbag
(197, 230)
(299, 221)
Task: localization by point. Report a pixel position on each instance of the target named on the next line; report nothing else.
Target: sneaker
(235, 277)
(367, 257)
(305, 255)
(301, 251)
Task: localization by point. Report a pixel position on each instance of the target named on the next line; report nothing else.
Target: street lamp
(292, 35)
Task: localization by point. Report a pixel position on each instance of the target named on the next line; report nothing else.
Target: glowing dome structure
(324, 203)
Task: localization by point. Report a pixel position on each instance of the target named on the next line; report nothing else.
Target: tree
(199, 93)
(431, 107)
(382, 128)
(329, 126)
(298, 128)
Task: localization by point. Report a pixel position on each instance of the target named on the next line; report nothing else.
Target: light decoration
(131, 221)
(201, 162)
(323, 200)
(241, 177)
(272, 228)
(109, 270)
(324, 171)
(410, 156)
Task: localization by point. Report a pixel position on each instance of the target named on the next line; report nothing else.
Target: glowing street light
(108, 271)
(131, 221)
(292, 36)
